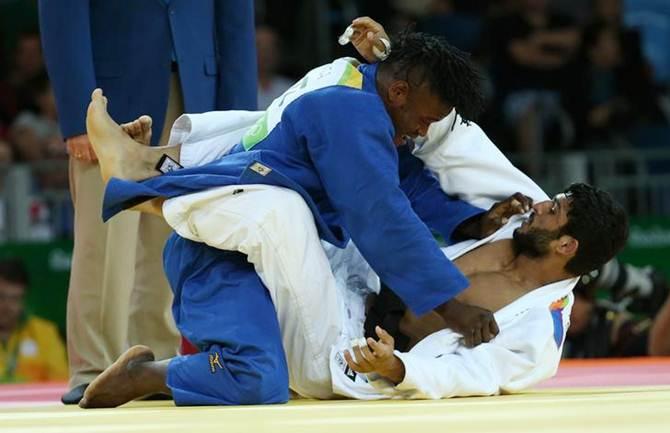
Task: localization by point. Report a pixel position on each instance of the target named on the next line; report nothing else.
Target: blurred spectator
(7, 107)
(415, 8)
(16, 17)
(613, 91)
(652, 19)
(461, 29)
(531, 52)
(608, 11)
(30, 348)
(36, 137)
(632, 320)
(5, 153)
(270, 84)
(609, 14)
(27, 66)
(382, 11)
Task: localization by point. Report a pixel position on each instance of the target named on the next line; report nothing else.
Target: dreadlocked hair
(419, 57)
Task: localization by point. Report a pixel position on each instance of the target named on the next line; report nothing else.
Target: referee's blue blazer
(126, 47)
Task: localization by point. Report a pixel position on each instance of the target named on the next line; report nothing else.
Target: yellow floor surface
(610, 410)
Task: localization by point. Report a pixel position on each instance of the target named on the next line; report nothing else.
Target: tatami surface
(557, 407)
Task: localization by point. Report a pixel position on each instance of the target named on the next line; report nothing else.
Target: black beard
(534, 243)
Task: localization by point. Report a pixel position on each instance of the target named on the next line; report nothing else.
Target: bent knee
(259, 379)
(264, 389)
(200, 379)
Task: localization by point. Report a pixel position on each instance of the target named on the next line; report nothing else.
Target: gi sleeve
(441, 212)
(66, 43)
(238, 80)
(516, 359)
(350, 141)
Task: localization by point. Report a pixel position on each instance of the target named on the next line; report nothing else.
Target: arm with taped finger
(520, 357)
(376, 356)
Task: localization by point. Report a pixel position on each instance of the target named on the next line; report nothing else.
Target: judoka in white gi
(532, 327)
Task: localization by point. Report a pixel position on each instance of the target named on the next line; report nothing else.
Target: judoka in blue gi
(331, 138)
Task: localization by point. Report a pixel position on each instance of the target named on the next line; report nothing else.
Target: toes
(98, 97)
(97, 94)
(146, 120)
(136, 128)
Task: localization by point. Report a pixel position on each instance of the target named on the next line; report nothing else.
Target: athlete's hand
(500, 212)
(475, 324)
(368, 34)
(377, 357)
(78, 147)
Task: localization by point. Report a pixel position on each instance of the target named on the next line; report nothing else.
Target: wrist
(445, 309)
(395, 371)
(471, 228)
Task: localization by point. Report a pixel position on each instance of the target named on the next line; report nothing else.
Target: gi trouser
(223, 308)
(274, 229)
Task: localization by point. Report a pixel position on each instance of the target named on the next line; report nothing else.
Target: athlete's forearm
(395, 372)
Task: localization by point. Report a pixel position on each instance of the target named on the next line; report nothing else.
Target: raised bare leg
(134, 375)
(119, 154)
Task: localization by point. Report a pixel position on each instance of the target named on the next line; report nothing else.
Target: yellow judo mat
(626, 409)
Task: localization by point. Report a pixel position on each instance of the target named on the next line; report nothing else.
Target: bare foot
(139, 129)
(119, 155)
(121, 382)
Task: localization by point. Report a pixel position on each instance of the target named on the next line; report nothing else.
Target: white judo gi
(321, 308)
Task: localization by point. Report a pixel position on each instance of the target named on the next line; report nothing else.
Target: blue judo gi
(334, 146)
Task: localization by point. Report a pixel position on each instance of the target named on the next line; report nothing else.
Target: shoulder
(40, 326)
(339, 107)
(339, 96)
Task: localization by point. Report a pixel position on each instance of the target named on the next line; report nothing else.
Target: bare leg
(119, 154)
(122, 156)
(134, 375)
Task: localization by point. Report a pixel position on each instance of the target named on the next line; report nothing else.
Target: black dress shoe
(74, 395)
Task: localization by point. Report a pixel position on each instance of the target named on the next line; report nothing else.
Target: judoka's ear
(397, 93)
(567, 245)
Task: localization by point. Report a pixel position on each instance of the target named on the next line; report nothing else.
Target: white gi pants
(276, 229)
